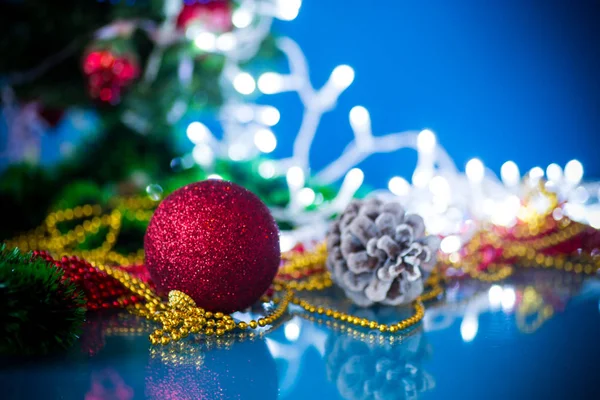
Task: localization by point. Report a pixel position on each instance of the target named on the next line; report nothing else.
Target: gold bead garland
(179, 316)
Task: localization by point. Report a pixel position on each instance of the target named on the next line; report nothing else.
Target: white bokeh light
(342, 76)
(270, 83)
(554, 172)
(469, 328)
(359, 118)
(574, 172)
(510, 173)
(244, 83)
(426, 141)
(288, 10)
(197, 132)
(450, 244)
(269, 115)
(291, 330)
(265, 140)
(495, 296)
(203, 155)
(206, 41)
(241, 18)
(399, 186)
(266, 169)
(475, 170)
(509, 298)
(226, 41)
(295, 177)
(306, 196)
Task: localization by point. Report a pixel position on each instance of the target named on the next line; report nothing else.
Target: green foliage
(39, 312)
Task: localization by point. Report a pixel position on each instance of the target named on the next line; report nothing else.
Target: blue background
(498, 80)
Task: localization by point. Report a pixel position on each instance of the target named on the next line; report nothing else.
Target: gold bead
(242, 325)
(253, 324)
(383, 328)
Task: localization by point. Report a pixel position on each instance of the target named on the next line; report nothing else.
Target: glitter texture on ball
(216, 242)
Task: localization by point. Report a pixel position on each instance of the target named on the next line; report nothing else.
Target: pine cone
(378, 254)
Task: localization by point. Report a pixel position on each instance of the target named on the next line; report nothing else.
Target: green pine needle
(39, 313)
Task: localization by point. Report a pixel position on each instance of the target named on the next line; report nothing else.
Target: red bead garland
(101, 290)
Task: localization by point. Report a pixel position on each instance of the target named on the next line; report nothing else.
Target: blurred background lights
(244, 83)
(291, 330)
(426, 141)
(450, 244)
(342, 76)
(439, 186)
(226, 41)
(265, 140)
(475, 170)
(306, 197)
(554, 172)
(197, 132)
(574, 172)
(270, 83)
(399, 186)
(206, 41)
(269, 115)
(509, 298)
(266, 169)
(203, 155)
(241, 18)
(237, 151)
(359, 118)
(509, 172)
(295, 177)
(495, 296)
(469, 328)
(288, 10)
(354, 177)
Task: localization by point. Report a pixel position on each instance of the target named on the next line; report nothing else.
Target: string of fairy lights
(452, 202)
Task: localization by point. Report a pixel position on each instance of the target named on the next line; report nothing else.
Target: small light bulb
(197, 132)
(574, 172)
(270, 83)
(306, 196)
(354, 178)
(475, 170)
(241, 18)
(450, 244)
(265, 140)
(342, 76)
(215, 176)
(426, 141)
(399, 186)
(288, 10)
(359, 118)
(244, 83)
(554, 172)
(203, 155)
(269, 115)
(266, 169)
(206, 41)
(295, 177)
(226, 41)
(510, 173)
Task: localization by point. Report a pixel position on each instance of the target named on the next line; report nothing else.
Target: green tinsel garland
(39, 312)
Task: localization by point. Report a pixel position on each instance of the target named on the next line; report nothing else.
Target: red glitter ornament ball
(216, 242)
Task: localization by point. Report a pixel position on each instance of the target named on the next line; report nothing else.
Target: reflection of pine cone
(377, 253)
(377, 371)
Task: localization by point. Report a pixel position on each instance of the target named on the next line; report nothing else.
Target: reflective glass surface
(535, 336)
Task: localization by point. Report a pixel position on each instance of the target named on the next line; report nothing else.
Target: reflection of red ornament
(214, 16)
(108, 74)
(216, 242)
(222, 373)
